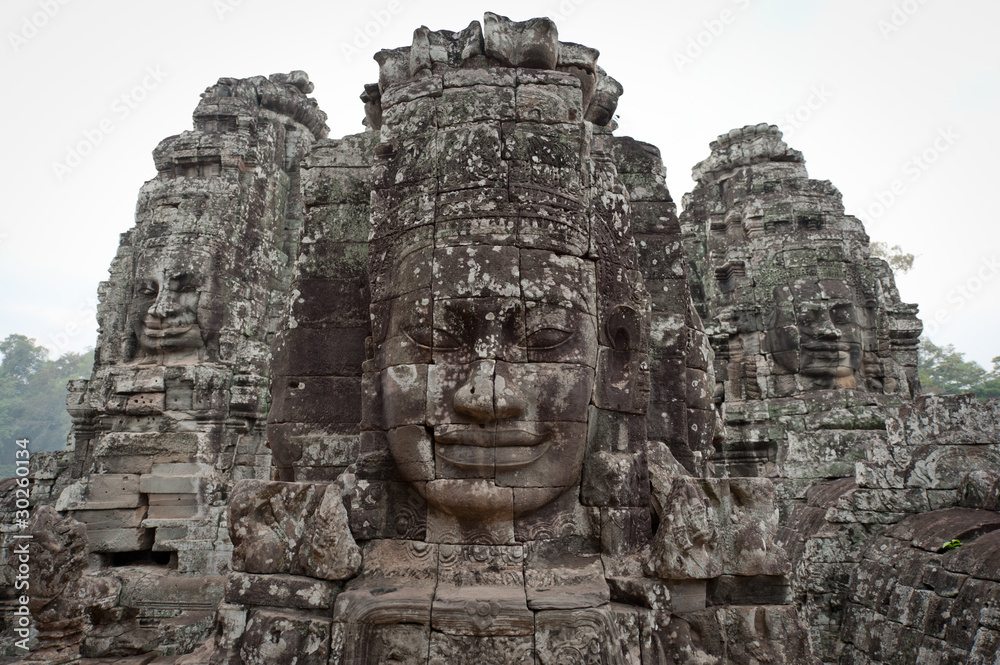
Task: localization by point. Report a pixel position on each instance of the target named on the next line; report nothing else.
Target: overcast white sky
(879, 95)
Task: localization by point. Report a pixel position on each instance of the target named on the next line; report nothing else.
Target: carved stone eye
(548, 338)
(445, 341)
(422, 337)
(148, 289)
(437, 339)
(184, 283)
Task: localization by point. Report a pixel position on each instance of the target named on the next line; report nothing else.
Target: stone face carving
(812, 348)
(169, 284)
(815, 332)
(774, 253)
(794, 304)
(490, 397)
(488, 326)
(501, 400)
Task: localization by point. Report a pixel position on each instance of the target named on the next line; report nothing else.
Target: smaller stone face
(172, 304)
(816, 331)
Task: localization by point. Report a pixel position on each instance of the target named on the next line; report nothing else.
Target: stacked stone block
(681, 409)
(915, 598)
(313, 426)
(938, 458)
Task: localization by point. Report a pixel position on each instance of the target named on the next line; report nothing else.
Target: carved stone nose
(164, 305)
(508, 400)
(474, 398)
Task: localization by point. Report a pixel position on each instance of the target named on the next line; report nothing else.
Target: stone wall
(935, 470)
(916, 598)
(313, 425)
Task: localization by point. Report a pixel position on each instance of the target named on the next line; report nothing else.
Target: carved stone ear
(622, 368)
(624, 328)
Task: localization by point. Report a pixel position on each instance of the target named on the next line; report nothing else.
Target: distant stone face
(815, 330)
(175, 409)
(169, 286)
(793, 301)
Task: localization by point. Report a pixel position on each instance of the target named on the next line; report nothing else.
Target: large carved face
(816, 331)
(487, 357)
(164, 309)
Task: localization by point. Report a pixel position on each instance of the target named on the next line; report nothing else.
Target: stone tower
(175, 409)
(795, 305)
(506, 486)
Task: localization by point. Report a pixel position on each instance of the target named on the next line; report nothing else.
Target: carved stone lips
(153, 327)
(831, 347)
(484, 449)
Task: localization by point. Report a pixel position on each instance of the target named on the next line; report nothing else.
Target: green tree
(21, 358)
(897, 259)
(991, 386)
(945, 371)
(33, 394)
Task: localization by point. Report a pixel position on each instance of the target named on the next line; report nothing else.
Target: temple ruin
(464, 388)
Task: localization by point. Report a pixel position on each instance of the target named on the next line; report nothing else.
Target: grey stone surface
(464, 388)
